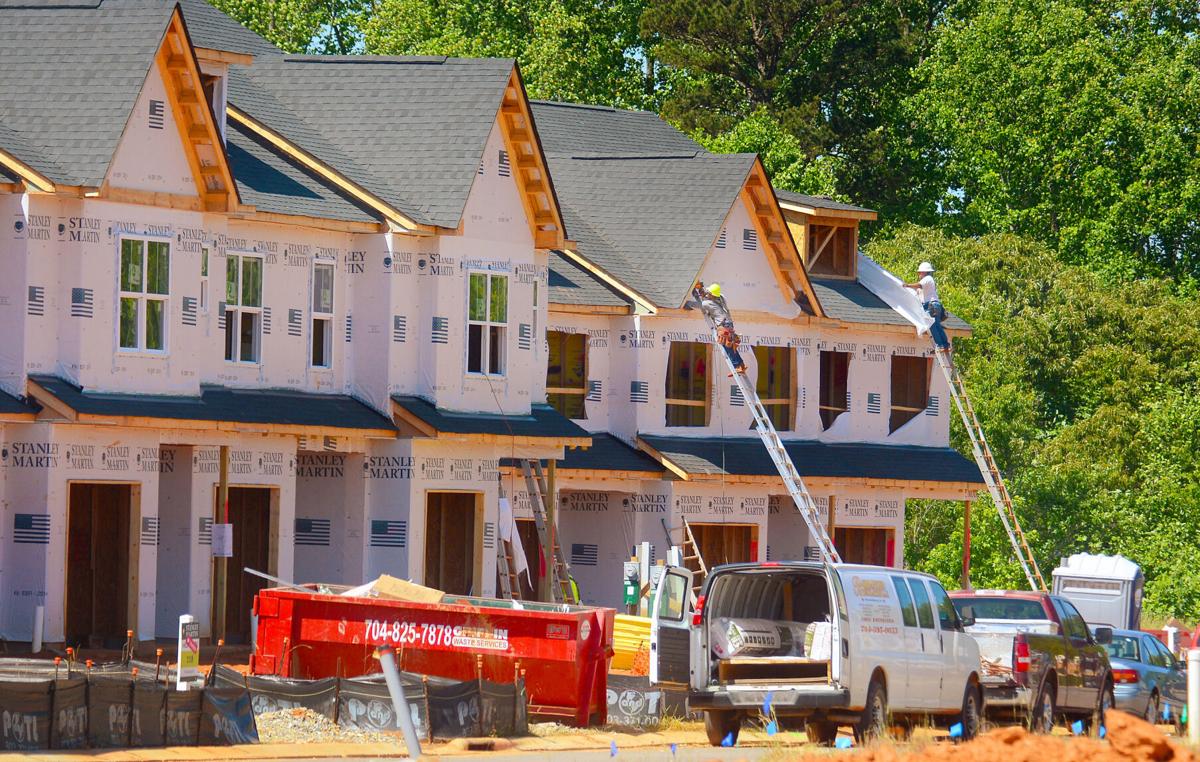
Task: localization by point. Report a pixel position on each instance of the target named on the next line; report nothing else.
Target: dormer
(214, 78)
(825, 231)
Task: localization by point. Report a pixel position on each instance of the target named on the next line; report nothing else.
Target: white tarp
(506, 527)
(891, 290)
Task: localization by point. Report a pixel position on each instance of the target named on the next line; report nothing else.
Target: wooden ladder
(990, 471)
(691, 552)
(506, 568)
(561, 589)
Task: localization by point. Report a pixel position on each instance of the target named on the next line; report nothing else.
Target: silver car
(1147, 680)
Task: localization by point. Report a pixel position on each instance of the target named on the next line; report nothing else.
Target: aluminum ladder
(990, 471)
(783, 462)
(561, 589)
(689, 541)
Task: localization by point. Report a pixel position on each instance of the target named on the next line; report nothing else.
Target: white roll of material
(755, 637)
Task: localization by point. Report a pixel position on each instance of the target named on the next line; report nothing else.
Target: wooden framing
(56, 409)
(213, 55)
(668, 464)
(710, 371)
(792, 383)
(477, 573)
(776, 238)
(528, 163)
(389, 212)
(580, 391)
(842, 214)
(28, 174)
(195, 120)
(589, 309)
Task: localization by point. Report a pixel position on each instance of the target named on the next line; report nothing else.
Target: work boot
(740, 370)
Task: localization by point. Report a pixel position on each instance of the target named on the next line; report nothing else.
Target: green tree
(302, 26)
(1072, 122)
(568, 49)
(1089, 399)
(833, 74)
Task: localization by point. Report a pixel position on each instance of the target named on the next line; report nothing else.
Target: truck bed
(995, 639)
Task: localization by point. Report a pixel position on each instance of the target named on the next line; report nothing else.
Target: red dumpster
(564, 650)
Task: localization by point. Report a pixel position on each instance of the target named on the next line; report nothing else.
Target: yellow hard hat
(714, 289)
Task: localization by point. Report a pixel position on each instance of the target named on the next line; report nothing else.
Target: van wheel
(1041, 714)
(821, 732)
(721, 725)
(972, 712)
(874, 722)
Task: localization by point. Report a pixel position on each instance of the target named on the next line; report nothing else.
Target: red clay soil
(1129, 739)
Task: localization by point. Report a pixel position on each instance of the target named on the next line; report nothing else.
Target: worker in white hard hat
(712, 304)
(926, 289)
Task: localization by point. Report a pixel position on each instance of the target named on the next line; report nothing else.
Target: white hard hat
(925, 268)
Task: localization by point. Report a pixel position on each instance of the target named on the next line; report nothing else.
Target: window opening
(776, 384)
(243, 307)
(487, 323)
(687, 384)
(566, 373)
(831, 250)
(322, 316)
(834, 385)
(910, 389)
(145, 288)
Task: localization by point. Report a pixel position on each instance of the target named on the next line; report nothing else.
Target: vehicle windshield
(999, 608)
(1123, 647)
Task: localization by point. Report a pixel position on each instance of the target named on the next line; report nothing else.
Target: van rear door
(671, 628)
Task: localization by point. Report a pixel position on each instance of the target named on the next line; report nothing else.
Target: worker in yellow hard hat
(712, 304)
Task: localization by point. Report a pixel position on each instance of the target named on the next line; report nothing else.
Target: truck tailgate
(995, 639)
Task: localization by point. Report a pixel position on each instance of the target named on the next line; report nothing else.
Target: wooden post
(221, 565)
(549, 580)
(966, 553)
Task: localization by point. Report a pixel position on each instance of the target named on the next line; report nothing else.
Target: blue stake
(1077, 727)
(843, 743)
(673, 748)
(1103, 731)
(727, 740)
(767, 705)
(772, 728)
(956, 730)
(612, 750)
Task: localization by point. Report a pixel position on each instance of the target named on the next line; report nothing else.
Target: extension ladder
(783, 462)
(561, 589)
(989, 470)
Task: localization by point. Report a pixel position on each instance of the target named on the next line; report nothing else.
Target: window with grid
(322, 316)
(830, 250)
(776, 384)
(566, 373)
(145, 290)
(834, 384)
(910, 389)
(687, 384)
(243, 307)
(487, 323)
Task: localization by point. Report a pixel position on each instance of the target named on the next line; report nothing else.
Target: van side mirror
(1103, 635)
(967, 620)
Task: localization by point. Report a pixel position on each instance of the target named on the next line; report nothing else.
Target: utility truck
(827, 645)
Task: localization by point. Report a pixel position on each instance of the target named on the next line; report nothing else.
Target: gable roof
(572, 284)
(210, 28)
(418, 150)
(69, 77)
(272, 182)
(581, 129)
(649, 221)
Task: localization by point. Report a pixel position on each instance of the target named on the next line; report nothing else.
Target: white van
(866, 646)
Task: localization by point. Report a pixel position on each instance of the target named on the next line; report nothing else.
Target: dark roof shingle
(542, 420)
(571, 284)
(580, 129)
(818, 202)
(220, 403)
(272, 182)
(608, 453)
(852, 302)
(748, 457)
(409, 130)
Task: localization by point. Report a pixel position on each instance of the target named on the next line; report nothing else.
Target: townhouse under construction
(390, 286)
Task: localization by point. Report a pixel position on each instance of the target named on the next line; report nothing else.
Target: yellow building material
(630, 633)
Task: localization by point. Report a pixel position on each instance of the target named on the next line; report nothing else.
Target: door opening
(98, 565)
(250, 514)
(865, 545)
(725, 543)
(527, 529)
(450, 540)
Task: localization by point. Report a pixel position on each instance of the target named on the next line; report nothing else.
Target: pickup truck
(1039, 661)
